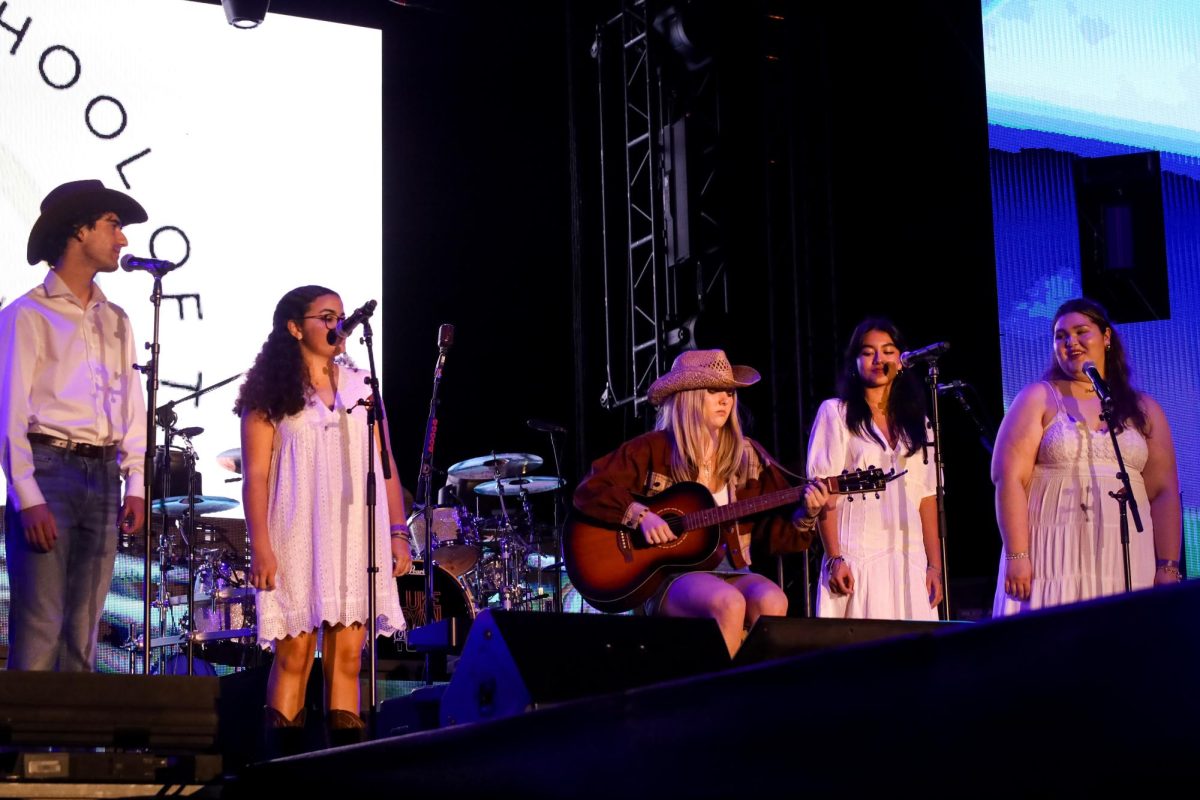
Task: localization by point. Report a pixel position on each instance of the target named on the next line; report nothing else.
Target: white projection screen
(257, 154)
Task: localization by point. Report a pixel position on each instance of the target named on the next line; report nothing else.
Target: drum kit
(494, 552)
(220, 619)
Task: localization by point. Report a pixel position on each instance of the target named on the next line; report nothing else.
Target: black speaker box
(84, 709)
(515, 661)
(778, 637)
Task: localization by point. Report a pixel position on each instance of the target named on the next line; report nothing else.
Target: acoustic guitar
(615, 569)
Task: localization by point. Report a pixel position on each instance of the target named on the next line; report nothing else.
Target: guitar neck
(719, 515)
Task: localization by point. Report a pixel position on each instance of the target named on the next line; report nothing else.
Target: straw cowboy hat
(73, 201)
(701, 369)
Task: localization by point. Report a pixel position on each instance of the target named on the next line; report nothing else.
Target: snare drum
(456, 547)
(450, 597)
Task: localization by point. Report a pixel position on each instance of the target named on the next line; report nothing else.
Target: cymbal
(205, 504)
(484, 468)
(512, 486)
(231, 460)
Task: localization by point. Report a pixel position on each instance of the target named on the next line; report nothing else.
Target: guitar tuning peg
(877, 495)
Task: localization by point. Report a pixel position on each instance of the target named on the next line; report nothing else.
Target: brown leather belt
(81, 449)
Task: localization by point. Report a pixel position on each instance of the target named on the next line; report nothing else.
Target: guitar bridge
(625, 545)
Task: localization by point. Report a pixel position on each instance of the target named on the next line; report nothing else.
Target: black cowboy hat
(76, 200)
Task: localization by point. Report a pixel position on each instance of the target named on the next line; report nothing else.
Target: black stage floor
(1098, 697)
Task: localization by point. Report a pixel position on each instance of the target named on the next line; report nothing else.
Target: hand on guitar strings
(655, 529)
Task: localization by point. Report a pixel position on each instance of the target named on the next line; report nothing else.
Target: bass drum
(450, 597)
(176, 664)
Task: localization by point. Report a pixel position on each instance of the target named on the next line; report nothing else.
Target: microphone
(952, 386)
(155, 266)
(445, 336)
(346, 326)
(544, 426)
(928, 353)
(1093, 374)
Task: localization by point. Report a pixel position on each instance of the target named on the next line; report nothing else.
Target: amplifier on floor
(779, 637)
(515, 661)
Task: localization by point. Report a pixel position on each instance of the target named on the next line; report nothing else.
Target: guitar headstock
(861, 481)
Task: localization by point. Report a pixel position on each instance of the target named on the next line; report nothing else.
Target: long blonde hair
(682, 416)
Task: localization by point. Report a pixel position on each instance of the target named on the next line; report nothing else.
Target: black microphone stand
(931, 378)
(955, 388)
(426, 638)
(151, 373)
(558, 548)
(375, 413)
(1124, 497)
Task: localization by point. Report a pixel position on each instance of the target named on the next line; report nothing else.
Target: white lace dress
(1074, 526)
(317, 522)
(881, 539)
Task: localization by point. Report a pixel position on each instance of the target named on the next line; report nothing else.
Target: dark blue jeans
(57, 597)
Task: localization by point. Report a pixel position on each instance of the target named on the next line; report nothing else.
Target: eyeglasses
(330, 320)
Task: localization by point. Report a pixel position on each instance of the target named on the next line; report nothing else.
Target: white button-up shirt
(67, 371)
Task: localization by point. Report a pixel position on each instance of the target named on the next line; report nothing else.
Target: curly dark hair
(276, 384)
(906, 401)
(1127, 406)
(54, 243)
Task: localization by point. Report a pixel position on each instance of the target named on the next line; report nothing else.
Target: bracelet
(400, 531)
(1170, 570)
(1166, 562)
(831, 561)
(936, 571)
(807, 523)
(1015, 556)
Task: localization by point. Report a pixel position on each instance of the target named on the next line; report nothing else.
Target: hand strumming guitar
(655, 529)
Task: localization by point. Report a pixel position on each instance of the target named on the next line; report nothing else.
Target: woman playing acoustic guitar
(699, 438)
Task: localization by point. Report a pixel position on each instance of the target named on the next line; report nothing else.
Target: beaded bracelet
(400, 531)
(1015, 556)
(1172, 570)
(831, 561)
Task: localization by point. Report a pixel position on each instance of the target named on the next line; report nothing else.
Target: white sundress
(317, 522)
(1074, 526)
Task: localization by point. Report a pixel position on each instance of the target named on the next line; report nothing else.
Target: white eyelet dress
(1074, 526)
(317, 522)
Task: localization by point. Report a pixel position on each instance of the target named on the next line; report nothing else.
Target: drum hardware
(495, 466)
(455, 540)
(205, 504)
(231, 460)
(534, 484)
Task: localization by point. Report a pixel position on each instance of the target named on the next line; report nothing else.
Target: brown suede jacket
(642, 466)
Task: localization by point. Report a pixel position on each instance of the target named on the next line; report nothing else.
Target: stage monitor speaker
(86, 709)
(779, 637)
(516, 661)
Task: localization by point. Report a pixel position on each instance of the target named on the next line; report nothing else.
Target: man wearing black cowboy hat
(72, 421)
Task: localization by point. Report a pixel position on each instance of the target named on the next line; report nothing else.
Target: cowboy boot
(345, 727)
(282, 736)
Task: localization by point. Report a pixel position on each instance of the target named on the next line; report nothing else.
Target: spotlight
(245, 13)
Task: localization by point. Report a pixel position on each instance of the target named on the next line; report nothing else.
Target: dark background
(853, 180)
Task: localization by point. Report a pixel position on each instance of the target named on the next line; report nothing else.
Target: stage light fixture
(245, 13)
